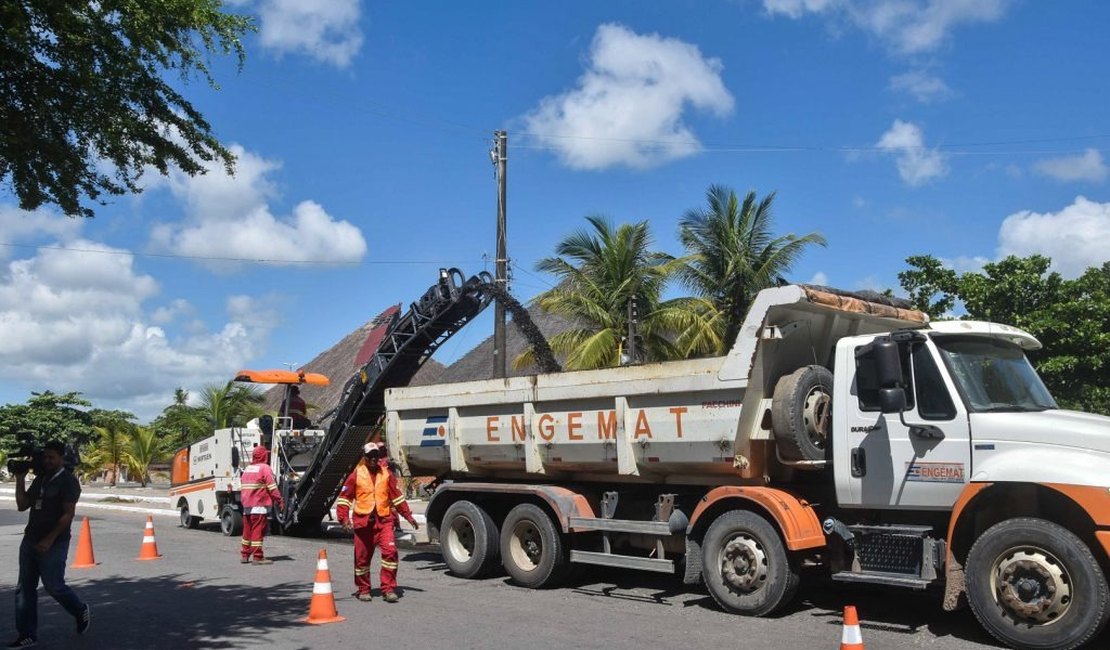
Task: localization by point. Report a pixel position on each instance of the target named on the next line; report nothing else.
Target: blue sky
(966, 129)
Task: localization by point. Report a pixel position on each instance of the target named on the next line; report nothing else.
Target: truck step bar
(410, 341)
(581, 524)
(879, 578)
(622, 561)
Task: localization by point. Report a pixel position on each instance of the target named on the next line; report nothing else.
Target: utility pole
(500, 157)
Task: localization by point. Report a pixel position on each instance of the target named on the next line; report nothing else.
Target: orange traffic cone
(322, 609)
(84, 557)
(850, 638)
(149, 550)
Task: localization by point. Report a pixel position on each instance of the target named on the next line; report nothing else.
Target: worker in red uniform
(366, 505)
(298, 410)
(259, 493)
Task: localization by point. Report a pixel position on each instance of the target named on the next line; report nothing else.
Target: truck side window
(933, 400)
(867, 382)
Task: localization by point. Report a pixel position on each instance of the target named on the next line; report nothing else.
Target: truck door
(892, 465)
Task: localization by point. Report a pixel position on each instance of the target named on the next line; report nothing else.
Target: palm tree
(230, 405)
(733, 253)
(603, 274)
(143, 448)
(111, 442)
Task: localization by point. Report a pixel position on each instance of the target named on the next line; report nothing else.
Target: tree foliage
(143, 448)
(230, 405)
(180, 424)
(46, 416)
(1071, 318)
(85, 101)
(733, 254)
(600, 272)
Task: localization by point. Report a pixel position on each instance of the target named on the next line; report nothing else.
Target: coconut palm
(111, 441)
(733, 253)
(600, 272)
(143, 448)
(179, 424)
(230, 405)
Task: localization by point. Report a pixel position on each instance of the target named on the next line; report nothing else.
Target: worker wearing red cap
(259, 493)
(366, 505)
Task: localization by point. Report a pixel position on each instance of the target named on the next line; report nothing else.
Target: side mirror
(888, 362)
(892, 400)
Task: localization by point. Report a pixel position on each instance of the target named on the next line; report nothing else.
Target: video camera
(26, 459)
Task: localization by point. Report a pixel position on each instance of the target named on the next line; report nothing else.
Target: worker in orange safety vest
(366, 505)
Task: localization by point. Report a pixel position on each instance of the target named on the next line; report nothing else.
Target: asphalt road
(199, 596)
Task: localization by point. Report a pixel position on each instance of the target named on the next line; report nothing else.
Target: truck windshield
(994, 375)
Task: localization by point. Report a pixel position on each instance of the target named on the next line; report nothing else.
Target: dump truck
(839, 430)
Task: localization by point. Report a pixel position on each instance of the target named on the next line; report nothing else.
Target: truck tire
(231, 522)
(745, 565)
(468, 540)
(801, 414)
(1034, 584)
(188, 521)
(532, 549)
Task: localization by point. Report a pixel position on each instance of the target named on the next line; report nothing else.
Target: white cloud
(916, 164)
(906, 26)
(922, 85)
(19, 226)
(965, 263)
(229, 217)
(326, 30)
(1076, 237)
(819, 278)
(628, 106)
(75, 321)
(1088, 167)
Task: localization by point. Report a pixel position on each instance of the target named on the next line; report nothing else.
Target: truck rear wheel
(745, 565)
(187, 520)
(468, 540)
(532, 549)
(231, 522)
(801, 413)
(1034, 584)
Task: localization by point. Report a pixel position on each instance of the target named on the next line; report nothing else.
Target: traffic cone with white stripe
(851, 638)
(149, 550)
(322, 609)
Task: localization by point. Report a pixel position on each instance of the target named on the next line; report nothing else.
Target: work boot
(262, 561)
(245, 560)
(23, 642)
(390, 597)
(364, 597)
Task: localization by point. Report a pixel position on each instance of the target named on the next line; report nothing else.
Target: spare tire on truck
(801, 414)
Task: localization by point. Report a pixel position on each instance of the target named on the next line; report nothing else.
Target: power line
(214, 258)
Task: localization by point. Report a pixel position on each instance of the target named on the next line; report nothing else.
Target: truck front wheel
(532, 549)
(468, 540)
(1034, 584)
(745, 565)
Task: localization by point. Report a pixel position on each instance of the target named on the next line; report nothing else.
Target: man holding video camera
(52, 499)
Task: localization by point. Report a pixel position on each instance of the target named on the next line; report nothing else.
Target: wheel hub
(462, 538)
(1032, 586)
(815, 415)
(743, 564)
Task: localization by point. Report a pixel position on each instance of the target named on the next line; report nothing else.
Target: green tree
(733, 253)
(46, 416)
(87, 102)
(600, 272)
(231, 405)
(180, 424)
(143, 448)
(111, 443)
(1071, 318)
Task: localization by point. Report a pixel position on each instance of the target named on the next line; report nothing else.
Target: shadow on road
(171, 612)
